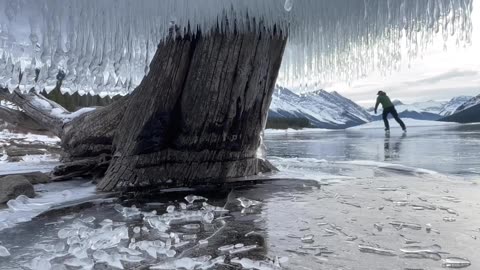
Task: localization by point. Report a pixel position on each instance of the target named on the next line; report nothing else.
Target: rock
(12, 186)
(37, 178)
(15, 151)
(14, 159)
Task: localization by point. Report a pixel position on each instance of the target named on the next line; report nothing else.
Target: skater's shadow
(392, 147)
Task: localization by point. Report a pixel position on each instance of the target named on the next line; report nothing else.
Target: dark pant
(394, 113)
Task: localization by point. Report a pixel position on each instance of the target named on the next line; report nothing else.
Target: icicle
(106, 46)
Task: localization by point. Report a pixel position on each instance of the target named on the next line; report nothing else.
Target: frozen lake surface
(373, 202)
(451, 149)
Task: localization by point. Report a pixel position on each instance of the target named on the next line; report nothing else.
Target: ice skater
(388, 108)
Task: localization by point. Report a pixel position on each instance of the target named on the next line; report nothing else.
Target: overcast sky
(440, 75)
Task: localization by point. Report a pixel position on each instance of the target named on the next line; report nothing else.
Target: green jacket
(384, 100)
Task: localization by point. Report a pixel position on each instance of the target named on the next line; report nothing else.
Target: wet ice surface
(354, 215)
(287, 224)
(448, 149)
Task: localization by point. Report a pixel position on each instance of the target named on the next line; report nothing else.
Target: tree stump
(196, 118)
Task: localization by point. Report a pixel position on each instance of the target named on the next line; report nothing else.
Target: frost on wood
(106, 46)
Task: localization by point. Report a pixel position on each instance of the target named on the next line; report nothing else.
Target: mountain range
(318, 109)
(427, 110)
(322, 109)
(469, 112)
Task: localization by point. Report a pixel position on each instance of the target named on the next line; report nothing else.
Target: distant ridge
(317, 109)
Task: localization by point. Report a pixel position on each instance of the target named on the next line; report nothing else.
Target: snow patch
(6, 135)
(29, 163)
(67, 117)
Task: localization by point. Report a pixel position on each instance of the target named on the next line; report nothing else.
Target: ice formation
(106, 46)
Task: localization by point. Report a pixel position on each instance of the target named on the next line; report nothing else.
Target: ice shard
(106, 46)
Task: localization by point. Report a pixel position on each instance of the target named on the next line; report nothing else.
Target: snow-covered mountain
(322, 109)
(430, 106)
(427, 110)
(474, 101)
(468, 112)
(454, 104)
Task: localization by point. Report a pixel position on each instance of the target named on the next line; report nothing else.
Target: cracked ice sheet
(50, 195)
(336, 220)
(342, 216)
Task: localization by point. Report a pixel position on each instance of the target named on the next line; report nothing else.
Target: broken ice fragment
(430, 249)
(106, 222)
(4, 252)
(170, 253)
(449, 219)
(451, 211)
(192, 198)
(247, 203)
(110, 259)
(454, 262)
(39, 263)
(189, 237)
(242, 249)
(308, 239)
(76, 262)
(251, 264)
(215, 209)
(451, 199)
(400, 225)
(351, 238)
(387, 189)
(226, 248)
(376, 250)
(129, 251)
(400, 203)
(89, 219)
(127, 211)
(183, 206)
(191, 226)
(170, 209)
(208, 217)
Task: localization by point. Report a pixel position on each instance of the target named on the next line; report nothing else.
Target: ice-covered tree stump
(196, 117)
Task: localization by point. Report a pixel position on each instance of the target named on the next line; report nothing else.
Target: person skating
(388, 108)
